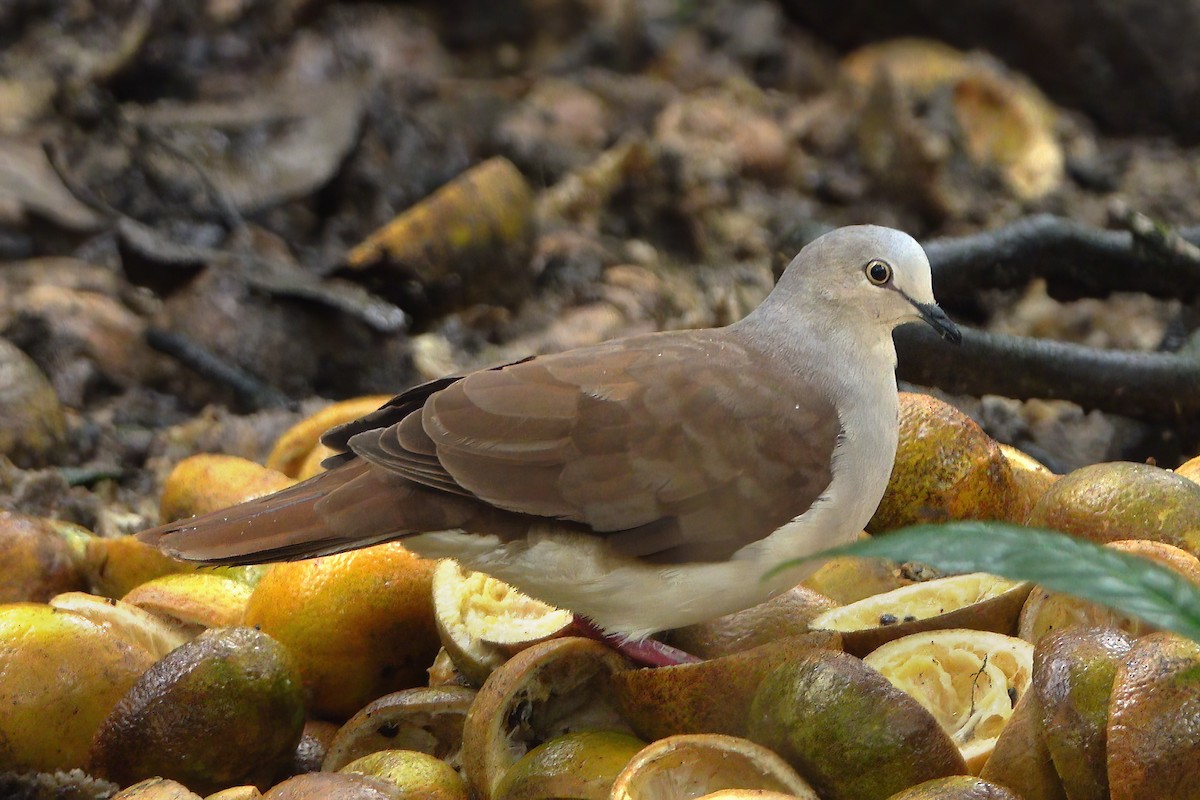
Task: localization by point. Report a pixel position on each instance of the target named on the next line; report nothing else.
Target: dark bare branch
(1155, 387)
(1076, 260)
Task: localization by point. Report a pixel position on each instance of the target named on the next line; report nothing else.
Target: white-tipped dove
(645, 483)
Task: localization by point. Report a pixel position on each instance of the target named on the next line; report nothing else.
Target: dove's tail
(345, 508)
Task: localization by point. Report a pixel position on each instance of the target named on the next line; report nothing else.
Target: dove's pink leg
(644, 652)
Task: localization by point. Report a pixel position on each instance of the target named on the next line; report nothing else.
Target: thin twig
(248, 388)
(143, 134)
(1161, 241)
(78, 190)
(230, 216)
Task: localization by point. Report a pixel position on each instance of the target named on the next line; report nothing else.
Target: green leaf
(1055, 561)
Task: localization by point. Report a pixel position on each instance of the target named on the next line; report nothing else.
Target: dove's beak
(937, 319)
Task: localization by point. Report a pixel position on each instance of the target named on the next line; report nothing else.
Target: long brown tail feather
(290, 524)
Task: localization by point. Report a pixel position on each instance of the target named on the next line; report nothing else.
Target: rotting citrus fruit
(428, 720)
(1190, 469)
(209, 482)
(747, 794)
(62, 675)
(482, 620)
(418, 775)
(946, 468)
(156, 789)
(39, 562)
(1153, 735)
(969, 680)
(224, 709)
(313, 746)
(1122, 500)
(244, 792)
(360, 623)
(956, 787)
(1031, 477)
(115, 565)
(784, 615)
(848, 730)
(1168, 555)
(977, 600)
(846, 579)
(293, 453)
(707, 697)
(1073, 673)
(549, 689)
(444, 672)
(580, 765)
(33, 428)
(131, 623)
(1020, 759)
(1045, 611)
(687, 766)
(193, 600)
(339, 785)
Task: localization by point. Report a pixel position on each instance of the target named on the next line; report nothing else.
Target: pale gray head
(870, 274)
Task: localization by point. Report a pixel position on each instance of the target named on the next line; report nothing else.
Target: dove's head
(873, 275)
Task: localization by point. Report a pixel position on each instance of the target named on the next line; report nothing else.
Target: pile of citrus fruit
(377, 674)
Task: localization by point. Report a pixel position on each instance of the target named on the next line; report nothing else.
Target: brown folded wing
(680, 447)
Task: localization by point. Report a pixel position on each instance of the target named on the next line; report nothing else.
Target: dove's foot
(644, 652)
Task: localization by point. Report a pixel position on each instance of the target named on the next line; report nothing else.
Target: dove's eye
(878, 272)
